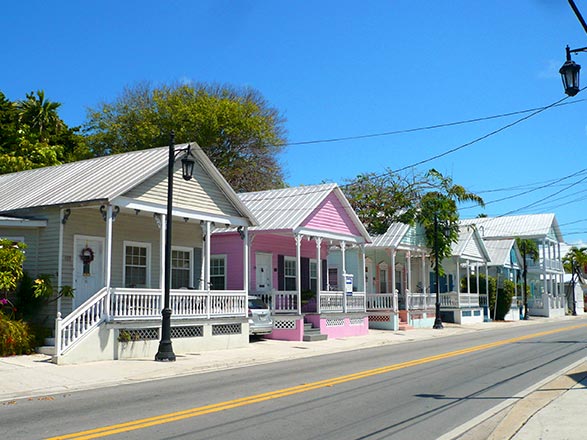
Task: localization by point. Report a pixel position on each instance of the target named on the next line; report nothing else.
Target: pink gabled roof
(317, 207)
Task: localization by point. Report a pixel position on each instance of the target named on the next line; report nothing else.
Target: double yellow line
(249, 400)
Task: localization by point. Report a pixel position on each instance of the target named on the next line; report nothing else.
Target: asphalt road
(417, 390)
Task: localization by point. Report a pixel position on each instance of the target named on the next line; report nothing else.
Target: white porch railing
(147, 303)
(380, 301)
(83, 319)
(331, 301)
(280, 302)
(135, 304)
(420, 301)
(455, 300)
(548, 264)
(356, 302)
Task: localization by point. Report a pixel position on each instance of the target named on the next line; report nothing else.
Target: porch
(125, 323)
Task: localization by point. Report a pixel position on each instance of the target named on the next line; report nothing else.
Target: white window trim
(16, 239)
(285, 276)
(310, 277)
(191, 252)
(223, 257)
(136, 244)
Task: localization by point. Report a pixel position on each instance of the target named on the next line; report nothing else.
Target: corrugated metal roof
(392, 237)
(469, 245)
(101, 178)
(287, 208)
(499, 250)
(524, 226)
(98, 179)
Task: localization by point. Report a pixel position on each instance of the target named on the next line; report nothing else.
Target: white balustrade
(380, 301)
(418, 300)
(78, 323)
(356, 302)
(331, 301)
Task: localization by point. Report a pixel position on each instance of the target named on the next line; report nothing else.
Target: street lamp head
(187, 164)
(570, 75)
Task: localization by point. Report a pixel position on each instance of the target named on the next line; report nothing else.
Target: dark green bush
(15, 337)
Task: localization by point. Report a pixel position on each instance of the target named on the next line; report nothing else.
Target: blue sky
(342, 69)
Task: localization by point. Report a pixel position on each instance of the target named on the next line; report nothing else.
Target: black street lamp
(165, 352)
(570, 70)
(437, 320)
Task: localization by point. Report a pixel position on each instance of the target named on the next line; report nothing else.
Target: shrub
(15, 337)
(504, 299)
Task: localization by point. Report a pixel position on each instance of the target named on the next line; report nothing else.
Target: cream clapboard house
(99, 226)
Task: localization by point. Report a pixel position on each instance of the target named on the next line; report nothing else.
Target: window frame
(224, 275)
(138, 244)
(287, 276)
(190, 251)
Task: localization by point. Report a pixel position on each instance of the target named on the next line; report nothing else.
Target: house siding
(331, 216)
(31, 239)
(200, 194)
(231, 245)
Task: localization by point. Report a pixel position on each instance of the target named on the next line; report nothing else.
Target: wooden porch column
(487, 284)
(161, 225)
(108, 265)
(363, 275)
(62, 222)
(458, 263)
(318, 271)
(393, 290)
(545, 282)
(409, 283)
(247, 262)
(423, 278)
(477, 273)
(207, 258)
(343, 252)
(298, 239)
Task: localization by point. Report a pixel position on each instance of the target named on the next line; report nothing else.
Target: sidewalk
(554, 404)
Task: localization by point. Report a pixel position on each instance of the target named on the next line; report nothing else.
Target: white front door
(264, 272)
(88, 267)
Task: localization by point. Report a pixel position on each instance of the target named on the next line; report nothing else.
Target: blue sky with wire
(368, 76)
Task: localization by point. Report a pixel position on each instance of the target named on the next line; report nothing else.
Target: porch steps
(48, 348)
(313, 334)
(403, 321)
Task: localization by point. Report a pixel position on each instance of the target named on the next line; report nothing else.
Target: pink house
(288, 269)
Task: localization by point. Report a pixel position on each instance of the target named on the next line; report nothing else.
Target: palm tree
(574, 262)
(528, 248)
(38, 113)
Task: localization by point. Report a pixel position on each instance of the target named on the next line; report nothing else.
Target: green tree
(236, 128)
(32, 135)
(528, 249)
(39, 114)
(438, 214)
(382, 199)
(574, 263)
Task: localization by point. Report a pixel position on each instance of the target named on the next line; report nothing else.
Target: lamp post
(437, 320)
(165, 352)
(570, 70)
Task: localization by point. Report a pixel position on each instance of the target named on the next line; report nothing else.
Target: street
(421, 389)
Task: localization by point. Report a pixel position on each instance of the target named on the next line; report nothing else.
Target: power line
(428, 127)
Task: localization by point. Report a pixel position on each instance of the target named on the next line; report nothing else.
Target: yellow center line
(249, 400)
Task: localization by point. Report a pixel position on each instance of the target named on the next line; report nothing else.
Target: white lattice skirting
(334, 322)
(356, 321)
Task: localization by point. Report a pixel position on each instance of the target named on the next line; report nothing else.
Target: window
(290, 273)
(383, 279)
(313, 276)
(218, 272)
(136, 264)
(181, 267)
(333, 278)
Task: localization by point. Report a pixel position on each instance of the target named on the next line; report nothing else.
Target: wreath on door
(87, 255)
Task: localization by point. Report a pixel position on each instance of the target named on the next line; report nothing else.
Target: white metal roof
(286, 209)
(499, 250)
(96, 180)
(392, 237)
(533, 226)
(470, 245)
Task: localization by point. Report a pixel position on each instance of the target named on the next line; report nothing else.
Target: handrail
(79, 322)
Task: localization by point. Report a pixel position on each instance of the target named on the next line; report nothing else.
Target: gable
(331, 216)
(200, 194)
